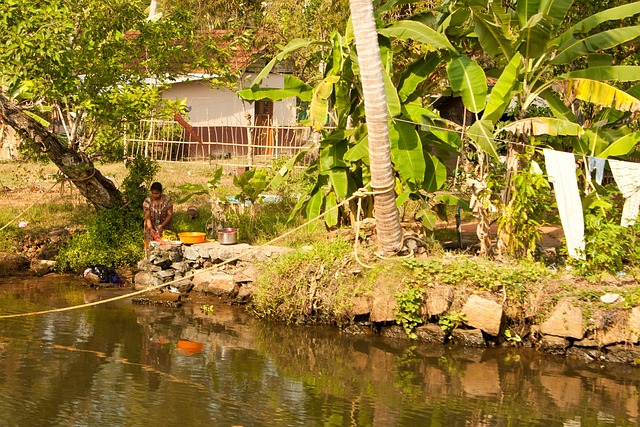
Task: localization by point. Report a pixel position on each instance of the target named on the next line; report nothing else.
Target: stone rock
(190, 253)
(565, 321)
(394, 331)
(148, 266)
(613, 333)
(360, 306)
(483, 314)
(438, 300)
(553, 344)
(246, 275)
(245, 292)
(622, 354)
(165, 274)
(40, 267)
(357, 329)
(585, 354)
(214, 282)
(430, 333)
(468, 338)
(145, 279)
(183, 286)
(633, 325)
(160, 259)
(180, 266)
(11, 264)
(382, 307)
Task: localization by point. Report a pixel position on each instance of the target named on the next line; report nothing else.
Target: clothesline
(561, 169)
(505, 141)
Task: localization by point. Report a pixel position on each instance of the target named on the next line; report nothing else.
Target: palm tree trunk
(389, 231)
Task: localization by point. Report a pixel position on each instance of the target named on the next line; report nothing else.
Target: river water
(123, 364)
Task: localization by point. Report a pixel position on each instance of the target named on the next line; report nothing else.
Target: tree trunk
(100, 191)
(388, 229)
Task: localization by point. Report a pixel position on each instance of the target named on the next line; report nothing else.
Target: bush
(113, 238)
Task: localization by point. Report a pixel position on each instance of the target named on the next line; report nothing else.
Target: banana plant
(337, 111)
(529, 46)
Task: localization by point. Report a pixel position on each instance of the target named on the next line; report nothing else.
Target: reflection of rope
(29, 207)
(359, 193)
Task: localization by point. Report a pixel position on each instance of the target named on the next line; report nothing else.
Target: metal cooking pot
(228, 236)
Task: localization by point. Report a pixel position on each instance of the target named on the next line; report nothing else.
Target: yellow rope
(359, 193)
(237, 257)
(29, 207)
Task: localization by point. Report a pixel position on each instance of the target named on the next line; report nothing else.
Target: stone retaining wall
(609, 334)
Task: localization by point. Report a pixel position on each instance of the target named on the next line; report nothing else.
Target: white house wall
(222, 107)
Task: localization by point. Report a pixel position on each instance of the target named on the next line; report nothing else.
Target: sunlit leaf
(481, 132)
(468, 79)
(544, 126)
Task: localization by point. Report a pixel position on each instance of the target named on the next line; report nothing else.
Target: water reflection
(130, 365)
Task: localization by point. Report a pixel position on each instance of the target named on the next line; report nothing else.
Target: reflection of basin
(190, 347)
(190, 237)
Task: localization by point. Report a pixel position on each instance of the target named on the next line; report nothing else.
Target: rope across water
(357, 194)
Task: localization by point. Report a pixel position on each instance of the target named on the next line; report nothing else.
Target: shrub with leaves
(113, 238)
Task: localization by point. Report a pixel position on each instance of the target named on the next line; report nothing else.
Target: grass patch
(311, 285)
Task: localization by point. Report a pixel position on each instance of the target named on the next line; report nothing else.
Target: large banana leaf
(622, 146)
(331, 218)
(503, 90)
(339, 181)
(620, 73)
(535, 35)
(558, 108)
(412, 30)
(544, 126)
(574, 48)
(360, 150)
(435, 173)
(292, 46)
(588, 24)
(526, 9)
(555, 9)
(406, 152)
(492, 37)
(314, 207)
(601, 94)
(332, 155)
(292, 87)
(468, 79)
(481, 132)
(416, 73)
(319, 108)
(393, 101)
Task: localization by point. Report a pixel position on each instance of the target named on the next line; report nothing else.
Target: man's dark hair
(156, 186)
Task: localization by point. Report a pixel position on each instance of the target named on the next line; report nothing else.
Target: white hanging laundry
(597, 164)
(627, 176)
(561, 168)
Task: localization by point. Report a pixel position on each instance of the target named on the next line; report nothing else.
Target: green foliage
(475, 272)
(307, 285)
(512, 337)
(135, 186)
(250, 183)
(448, 322)
(609, 247)
(526, 212)
(207, 309)
(409, 310)
(112, 237)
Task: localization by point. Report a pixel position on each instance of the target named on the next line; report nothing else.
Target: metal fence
(171, 141)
